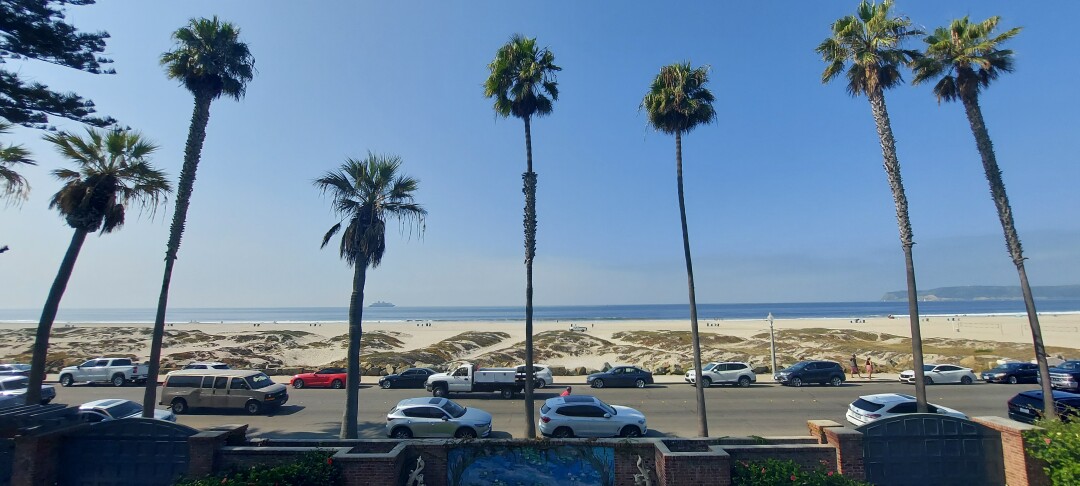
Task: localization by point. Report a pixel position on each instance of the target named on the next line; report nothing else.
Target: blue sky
(786, 197)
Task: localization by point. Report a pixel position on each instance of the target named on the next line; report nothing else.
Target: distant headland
(986, 292)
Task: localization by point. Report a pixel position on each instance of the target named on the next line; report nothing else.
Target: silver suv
(436, 417)
(730, 373)
(587, 416)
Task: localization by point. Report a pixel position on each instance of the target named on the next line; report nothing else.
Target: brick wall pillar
(849, 451)
(1020, 468)
(203, 447)
(817, 428)
(37, 459)
(711, 468)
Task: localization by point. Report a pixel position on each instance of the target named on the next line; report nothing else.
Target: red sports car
(326, 377)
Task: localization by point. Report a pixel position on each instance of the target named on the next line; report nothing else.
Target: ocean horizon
(804, 310)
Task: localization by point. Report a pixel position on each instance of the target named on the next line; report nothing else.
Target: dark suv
(1028, 406)
(823, 372)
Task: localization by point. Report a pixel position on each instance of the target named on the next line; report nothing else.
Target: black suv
(1028, 406)
(1012, 373)
(823, 372)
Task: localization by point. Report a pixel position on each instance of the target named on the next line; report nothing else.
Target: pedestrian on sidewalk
(855, 366)
(869, 368)
(566, 392)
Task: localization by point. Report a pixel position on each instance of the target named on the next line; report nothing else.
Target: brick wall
(711, 468)
(1020, 468)
(849, 451)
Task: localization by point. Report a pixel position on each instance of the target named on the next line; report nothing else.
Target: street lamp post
(772, 344)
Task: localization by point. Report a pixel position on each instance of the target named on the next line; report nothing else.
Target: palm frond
(966, 57)
(209, 59)
(868, 44)
(522, 79)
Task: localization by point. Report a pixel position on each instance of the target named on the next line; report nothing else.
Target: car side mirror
(607, 415)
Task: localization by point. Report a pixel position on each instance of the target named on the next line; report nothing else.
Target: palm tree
(965, 58)
(522, 82)
(866, 48)
(366, 193)
(677, 102)
(210, 61)
(14, 186)
(113, 171)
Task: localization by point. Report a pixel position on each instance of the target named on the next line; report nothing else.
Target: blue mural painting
(484, 465)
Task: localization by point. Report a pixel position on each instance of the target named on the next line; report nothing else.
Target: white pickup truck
(118, 371)
(467, 378)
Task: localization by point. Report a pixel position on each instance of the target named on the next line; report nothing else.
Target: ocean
(809, 310)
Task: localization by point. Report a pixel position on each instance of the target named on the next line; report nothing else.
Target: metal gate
(931, 449)
(127, 452)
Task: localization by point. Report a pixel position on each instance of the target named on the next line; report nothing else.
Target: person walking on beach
(566, 392)
(855, 366)
(869, 368)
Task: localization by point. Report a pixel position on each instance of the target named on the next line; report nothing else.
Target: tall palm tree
(677, 102)
(113, 171)
(522, 82)
(964, 58)
(366, 193)
(210, 61)
(866, 48)
(13, 186)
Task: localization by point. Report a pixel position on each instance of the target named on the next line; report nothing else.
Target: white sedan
(945, 373)
(869, 408)
(118, 408)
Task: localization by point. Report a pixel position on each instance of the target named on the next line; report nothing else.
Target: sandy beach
(661, 345)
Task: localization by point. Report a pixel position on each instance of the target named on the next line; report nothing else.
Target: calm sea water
(547, 313)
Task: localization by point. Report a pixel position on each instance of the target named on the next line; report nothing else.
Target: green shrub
(313, 469)
(1057, 443)
(772, 472)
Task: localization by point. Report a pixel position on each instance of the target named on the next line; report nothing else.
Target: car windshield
(259, 381)
(125, 409)
(607, 408)
(1070, 365)
(928, 367)
(19, 384)
(795, 367)
(453, 409)
(867, 405)
(709, 366)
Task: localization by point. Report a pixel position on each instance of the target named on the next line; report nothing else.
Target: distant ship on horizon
(381, 304)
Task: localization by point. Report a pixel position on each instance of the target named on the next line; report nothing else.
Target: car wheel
(541, 383)
(298, 384)
(836, 381)
(66, 380)
(928, 380)
(641, 383)
(386, 384)
(598, 383)
(630, 431)
(439, 391)
(796, 382)
(118, 380)
(465, 433)
(1013, 380)
(706, 382)
(507, 393)
(401, 433)
(46, 401)
(253, 407)
(336, 384)
(744, 381)
(965, 380)
(179, 406)
(563, 433)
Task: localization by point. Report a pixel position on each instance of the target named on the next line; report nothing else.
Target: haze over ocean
(806, 310)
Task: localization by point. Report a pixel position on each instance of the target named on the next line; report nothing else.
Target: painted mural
(540, 465)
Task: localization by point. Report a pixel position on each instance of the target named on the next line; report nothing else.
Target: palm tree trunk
(352, 374)
(703, 422)
(48, 315)
(530, 251)
(1012, 240)
(896, 183)
(192, 151)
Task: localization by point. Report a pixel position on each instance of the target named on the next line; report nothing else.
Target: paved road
(763, 409)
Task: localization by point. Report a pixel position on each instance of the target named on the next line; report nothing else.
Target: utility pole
(772, 345)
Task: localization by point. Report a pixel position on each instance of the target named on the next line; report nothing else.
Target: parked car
(587, 416)
(730, 373)
(249, 390)
(1028, 406)
(803, 372)
(1066, 376)
(326, 377)
(410, 378)
(436, 417)
(118, 371)
(578, 328)
(206, 365)
(869, 408)
(941, 373)
(14, 369)
(541, 373)
(621, 376)
(16, 386)
(117, 408)
(1012, 373)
